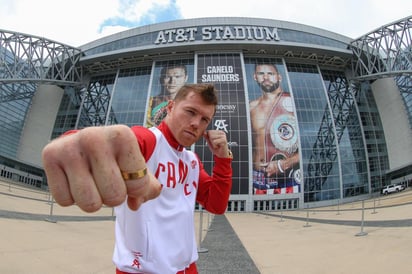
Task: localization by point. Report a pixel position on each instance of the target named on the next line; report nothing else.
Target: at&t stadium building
(339, 130)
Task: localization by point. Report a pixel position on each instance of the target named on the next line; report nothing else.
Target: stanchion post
(201, 249)
(209, 222)
(113, 215)
(50, 218)
(338, 213)
(49, 198)
(307, 219)
(281, 216)
(374, 206)
(362, 233)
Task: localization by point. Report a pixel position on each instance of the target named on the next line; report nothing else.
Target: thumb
(149, 189)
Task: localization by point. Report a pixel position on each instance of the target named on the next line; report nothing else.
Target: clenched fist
(84, 168)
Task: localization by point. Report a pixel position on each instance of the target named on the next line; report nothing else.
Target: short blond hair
(208, 93)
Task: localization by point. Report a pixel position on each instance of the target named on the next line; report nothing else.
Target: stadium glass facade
(324, 119)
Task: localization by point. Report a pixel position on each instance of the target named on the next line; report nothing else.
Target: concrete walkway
(225, 252)
(38, 236)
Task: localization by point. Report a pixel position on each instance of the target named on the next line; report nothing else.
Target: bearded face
(267, 77)
(269, 87)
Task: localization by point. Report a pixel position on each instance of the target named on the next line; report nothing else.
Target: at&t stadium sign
(207, 33)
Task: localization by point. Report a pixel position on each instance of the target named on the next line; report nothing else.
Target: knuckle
(138, 187)
(66, 201)
(91, 207)
(86, 196)
(114, 198)
(119, 133)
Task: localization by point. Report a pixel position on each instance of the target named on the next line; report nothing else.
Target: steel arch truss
(96, 103)
(27, 58)
(324, 152)
(385, 52)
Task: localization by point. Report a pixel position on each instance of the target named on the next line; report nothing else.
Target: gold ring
(134, 175)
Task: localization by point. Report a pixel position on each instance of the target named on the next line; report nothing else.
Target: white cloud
(73, 22)
(108, 30)
(132, 14)
(351, 17)
(76, 22)
(135, 10)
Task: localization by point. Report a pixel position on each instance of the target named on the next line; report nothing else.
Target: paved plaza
(38, 236)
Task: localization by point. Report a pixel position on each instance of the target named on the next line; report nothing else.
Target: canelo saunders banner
(225, 72)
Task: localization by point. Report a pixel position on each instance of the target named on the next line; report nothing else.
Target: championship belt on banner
(281, 132)
(159, 113)
(281, 142)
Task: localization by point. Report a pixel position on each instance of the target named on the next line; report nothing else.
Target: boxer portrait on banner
(274, 132)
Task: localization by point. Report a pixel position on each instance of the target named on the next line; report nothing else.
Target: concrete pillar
(39, 123)
(395, 122)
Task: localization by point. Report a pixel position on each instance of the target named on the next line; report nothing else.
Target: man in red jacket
(154, 182)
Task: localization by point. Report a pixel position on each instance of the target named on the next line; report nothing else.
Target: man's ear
(170, 105)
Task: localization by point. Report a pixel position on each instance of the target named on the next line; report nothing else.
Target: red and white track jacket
(159, 237)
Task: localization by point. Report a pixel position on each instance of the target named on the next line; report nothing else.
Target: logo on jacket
(136, 262)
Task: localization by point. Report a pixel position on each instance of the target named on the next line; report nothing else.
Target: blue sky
(77, 22)
(139, 13)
